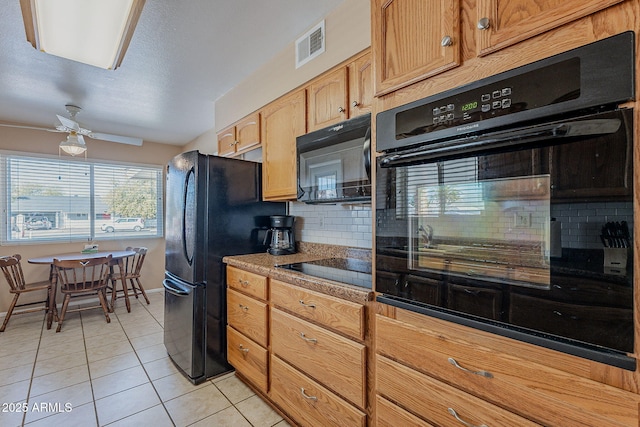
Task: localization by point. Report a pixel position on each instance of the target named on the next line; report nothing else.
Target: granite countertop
(265, 265)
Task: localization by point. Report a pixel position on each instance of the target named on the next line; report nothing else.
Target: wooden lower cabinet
(334, 360)
(307, 401)
(391, 415)
(436, 401)
(480, 373)
(248, 316)
(249, 358)
(343, 316)
(248, 326)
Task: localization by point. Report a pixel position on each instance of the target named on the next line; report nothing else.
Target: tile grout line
(143, 368)
(33, 371)
(86, 355)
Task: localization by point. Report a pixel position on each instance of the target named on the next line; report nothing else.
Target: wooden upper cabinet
(241, 137)
(360, 86)
(327, 102)
(282, 122)
(227, 141)
(413, 40)
(502, 23)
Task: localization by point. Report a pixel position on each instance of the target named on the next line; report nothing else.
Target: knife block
(615, 257)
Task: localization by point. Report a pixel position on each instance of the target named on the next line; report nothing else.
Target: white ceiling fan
(76, 132)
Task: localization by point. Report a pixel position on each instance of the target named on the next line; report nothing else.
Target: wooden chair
(12, 270)
(81, 278)
(132, 267)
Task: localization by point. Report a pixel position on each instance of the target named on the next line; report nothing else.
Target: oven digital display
(469, 106)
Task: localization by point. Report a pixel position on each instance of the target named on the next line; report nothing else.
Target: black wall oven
(507, 204)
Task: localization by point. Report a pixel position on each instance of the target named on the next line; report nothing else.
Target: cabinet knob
(340, 110)
(484, 24)
(446, 41)
(243, 349)
(355, 103)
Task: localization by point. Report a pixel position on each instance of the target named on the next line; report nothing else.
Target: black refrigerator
(214, 208)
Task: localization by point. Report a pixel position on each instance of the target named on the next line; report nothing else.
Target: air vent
(310, 45)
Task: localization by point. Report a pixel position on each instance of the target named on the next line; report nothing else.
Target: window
(65, 200)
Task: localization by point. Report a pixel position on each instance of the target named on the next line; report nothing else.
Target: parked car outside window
(38, 223)
(124, 224)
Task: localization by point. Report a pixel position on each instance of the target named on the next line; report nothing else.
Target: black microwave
(334, 163)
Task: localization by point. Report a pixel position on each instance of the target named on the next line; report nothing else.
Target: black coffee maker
(282, 235)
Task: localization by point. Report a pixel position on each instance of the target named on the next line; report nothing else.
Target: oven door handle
(510, 138)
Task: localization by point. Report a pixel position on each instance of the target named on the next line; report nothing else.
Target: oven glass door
(538, 238)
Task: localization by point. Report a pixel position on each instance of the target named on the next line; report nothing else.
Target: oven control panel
(523, 92)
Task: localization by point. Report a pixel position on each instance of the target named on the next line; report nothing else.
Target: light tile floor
(95, 373)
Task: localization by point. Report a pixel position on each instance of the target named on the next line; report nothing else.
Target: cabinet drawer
(436, 401)
(390, 415)
(546, 395)
(325, 356)
(308, 402)
(248, 283)
(343, 316)
(247, 316)
(248, 358)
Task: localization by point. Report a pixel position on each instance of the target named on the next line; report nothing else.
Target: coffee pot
(282, 235)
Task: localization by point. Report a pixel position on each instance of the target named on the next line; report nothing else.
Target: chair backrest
(83, 274)
(134, 263)
(12, 270)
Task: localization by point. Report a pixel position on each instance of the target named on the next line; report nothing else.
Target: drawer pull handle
(302, 303)
(243, 349)
(485, 374)
(313, 340)
(243, 307)
(455, 414)
(306, 396)
(244, 283)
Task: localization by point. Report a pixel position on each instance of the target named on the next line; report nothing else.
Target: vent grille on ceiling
(310, 45)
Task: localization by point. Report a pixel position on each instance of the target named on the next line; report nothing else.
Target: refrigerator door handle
(175, 289)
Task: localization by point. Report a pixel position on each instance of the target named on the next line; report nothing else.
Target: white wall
(348, 32)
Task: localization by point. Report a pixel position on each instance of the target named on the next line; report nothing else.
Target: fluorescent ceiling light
(94, 32)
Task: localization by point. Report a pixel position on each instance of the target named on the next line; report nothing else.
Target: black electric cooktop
(346, 270)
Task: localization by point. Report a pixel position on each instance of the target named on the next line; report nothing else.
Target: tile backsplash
(344, 225)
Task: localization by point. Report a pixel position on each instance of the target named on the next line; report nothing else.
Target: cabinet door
(227, 141)
(249, 359)
(248, 316)
(360, 86)
(413, 40)
(282, 121)
(502, 23)
(248, 132)
(328, 100)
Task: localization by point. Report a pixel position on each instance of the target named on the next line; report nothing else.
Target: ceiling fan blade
(71, 124)
(8, 125)
(116, 138)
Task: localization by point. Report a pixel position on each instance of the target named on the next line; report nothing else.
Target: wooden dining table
(117, 258)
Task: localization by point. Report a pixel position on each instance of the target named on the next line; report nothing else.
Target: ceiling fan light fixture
(93, 32)
(73, 145)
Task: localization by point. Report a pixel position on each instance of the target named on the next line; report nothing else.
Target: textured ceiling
(183, 56)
